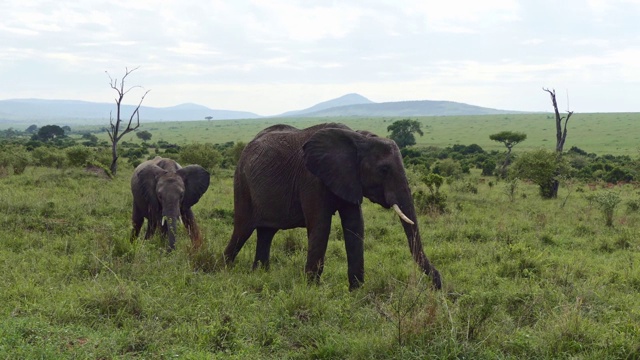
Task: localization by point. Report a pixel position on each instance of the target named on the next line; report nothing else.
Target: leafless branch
(115, 133)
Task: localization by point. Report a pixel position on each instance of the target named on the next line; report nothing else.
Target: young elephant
(288, 178)
(164, 192)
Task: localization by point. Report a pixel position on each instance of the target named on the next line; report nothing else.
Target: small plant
(435, 201)
(511, 188)
(607, 201)
(466, 186)
(633, 205)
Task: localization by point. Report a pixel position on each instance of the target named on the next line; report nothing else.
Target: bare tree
(116, 131)
(561, 134)
(561, 130)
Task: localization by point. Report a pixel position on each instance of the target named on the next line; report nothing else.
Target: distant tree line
(57, 147)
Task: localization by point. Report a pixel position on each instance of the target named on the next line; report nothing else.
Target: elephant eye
(384, 169)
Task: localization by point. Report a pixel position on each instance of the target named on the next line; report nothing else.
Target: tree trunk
(114, 158)
(561, 137)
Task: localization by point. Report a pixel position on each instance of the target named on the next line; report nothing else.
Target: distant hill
(345, 100)
(38, 110)
(407, 108)
(68, 112)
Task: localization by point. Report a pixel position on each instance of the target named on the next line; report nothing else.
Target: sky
(272, 56)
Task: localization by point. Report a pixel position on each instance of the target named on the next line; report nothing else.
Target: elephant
(288, 178)
(163, 193)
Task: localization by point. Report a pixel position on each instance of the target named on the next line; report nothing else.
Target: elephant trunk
(171, 223)
(409, 222)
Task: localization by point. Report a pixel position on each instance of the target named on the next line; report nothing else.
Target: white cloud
(285, 54)
(464, 16)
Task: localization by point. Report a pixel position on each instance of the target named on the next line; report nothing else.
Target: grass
(522, 279)
(600, 133)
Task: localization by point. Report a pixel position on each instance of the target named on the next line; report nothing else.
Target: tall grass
(523, 278)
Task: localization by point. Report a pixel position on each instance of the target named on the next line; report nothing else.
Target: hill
(39, 110)
(345, 100)
(68, 112)
(407, 108)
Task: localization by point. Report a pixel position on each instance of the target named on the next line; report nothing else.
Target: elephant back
(167, 164)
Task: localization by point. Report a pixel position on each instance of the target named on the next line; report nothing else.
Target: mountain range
(75, 111)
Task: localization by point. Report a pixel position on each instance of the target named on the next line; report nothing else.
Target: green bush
(16, 157)
(488, 167)
(205, 155)
(50, 157)
(434, 201)
(78, 155)
(542, 167)
(607, 201)
(448, 168)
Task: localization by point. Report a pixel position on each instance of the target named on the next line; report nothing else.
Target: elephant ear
(196, 182)
(147, 180)
(332, 156)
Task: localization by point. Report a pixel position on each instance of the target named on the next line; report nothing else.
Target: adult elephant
(289, 178)
(164, 192)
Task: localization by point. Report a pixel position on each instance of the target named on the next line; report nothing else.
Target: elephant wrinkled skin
(163, 193)
(287, 178)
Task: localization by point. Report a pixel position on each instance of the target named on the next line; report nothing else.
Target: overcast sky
(271, 56)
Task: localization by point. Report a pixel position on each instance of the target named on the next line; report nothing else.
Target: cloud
(291, 53)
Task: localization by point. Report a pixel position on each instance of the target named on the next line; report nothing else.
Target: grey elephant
(288, 178)
(163, 193)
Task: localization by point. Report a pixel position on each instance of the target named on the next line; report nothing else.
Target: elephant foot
(436, 279)
(355, 283)
(313, 278)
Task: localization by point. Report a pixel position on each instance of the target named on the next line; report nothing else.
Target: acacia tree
(561, 136)
(49, 132)
(144, 135)
(402, 132)
(116, 130)
(509, 139)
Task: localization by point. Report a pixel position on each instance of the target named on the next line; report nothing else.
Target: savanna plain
(523, 277)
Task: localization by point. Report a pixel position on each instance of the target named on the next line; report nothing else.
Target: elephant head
(354, 165)
(170, 194)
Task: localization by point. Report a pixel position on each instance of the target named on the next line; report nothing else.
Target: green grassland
(523, 277)
(600, 133)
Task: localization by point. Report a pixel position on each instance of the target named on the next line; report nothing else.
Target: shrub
(434, 201)
(540, 166)
(511, 187)
(234, 152)
(607, 201)
(16, 157)
(617, 175)
(49, 157)
(633, 205)
(78, 155)
(488, 167)
(205, 155)
(448, 168)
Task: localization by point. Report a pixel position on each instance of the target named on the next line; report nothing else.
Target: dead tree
(561, 135)
(116, 132)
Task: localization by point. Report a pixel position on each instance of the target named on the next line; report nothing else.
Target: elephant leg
(239, 237)
(263, 246)
(137, 219)
(318, 230)
(152, 223)
(353, 230)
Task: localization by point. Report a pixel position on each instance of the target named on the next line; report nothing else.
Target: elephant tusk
(180, 219)
(404, 217)
(164, 218)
